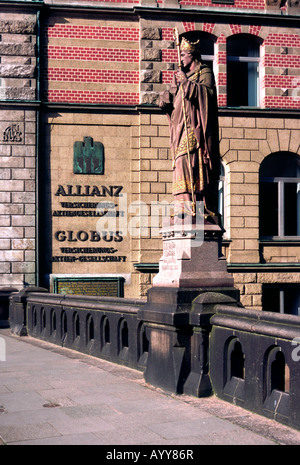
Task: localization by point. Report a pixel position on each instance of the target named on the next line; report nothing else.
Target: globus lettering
(83, 236)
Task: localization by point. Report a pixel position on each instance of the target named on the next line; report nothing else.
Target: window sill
(259, 112)
(280, 241)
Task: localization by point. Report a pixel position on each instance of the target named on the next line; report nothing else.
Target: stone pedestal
(192, 280)
(192, 257)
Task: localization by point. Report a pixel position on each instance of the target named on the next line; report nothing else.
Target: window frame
(222, 194)
(283, 288)
(281, 181)
(226, 2)
(246, 59)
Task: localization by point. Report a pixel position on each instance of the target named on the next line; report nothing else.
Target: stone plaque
(109, 287)
(12, 133)
(88, 157)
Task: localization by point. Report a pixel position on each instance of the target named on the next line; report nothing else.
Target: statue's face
(186, 59)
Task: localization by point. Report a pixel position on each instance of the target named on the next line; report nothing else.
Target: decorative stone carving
(12, 133)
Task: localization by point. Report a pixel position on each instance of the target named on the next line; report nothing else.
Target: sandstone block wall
(244, 143)
(17, 150)
(279, 62)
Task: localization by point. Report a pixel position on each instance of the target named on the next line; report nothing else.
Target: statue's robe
(200, 100)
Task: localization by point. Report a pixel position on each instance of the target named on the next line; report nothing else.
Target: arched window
(243, 54)
(279, 196)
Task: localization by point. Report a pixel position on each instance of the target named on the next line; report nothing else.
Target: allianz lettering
(88, 191)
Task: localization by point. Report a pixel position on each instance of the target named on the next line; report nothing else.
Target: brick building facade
(90, 73)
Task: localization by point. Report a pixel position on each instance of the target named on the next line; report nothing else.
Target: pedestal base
(192, 258)
(177, 327)
(192, 280)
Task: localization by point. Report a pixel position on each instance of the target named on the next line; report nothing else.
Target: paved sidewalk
(55, 396)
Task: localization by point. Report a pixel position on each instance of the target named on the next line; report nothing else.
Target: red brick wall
(80, 67)
(113, 1)
(281, 61)
(75, 31)
(273, 60)
(253, 4)
(98, 63)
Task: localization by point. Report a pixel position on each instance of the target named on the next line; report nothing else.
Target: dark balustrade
(247, 357)
(254, 361)
(102, 327)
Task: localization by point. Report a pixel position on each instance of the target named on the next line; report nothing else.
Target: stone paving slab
(55, 396)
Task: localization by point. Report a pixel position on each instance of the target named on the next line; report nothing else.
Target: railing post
(177, 321)
(191, 265)
(18, 310)
(5, 293)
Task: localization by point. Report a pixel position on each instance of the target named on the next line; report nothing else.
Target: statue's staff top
(184, 45)
(177, 43)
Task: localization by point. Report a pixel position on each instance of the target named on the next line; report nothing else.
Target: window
(281, 298)
(243, 71)
(279, 196)
(221, 195)
(207, 49)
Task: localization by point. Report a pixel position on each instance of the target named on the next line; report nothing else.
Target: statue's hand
(165, 99)
(162, 104)
(181, 77)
